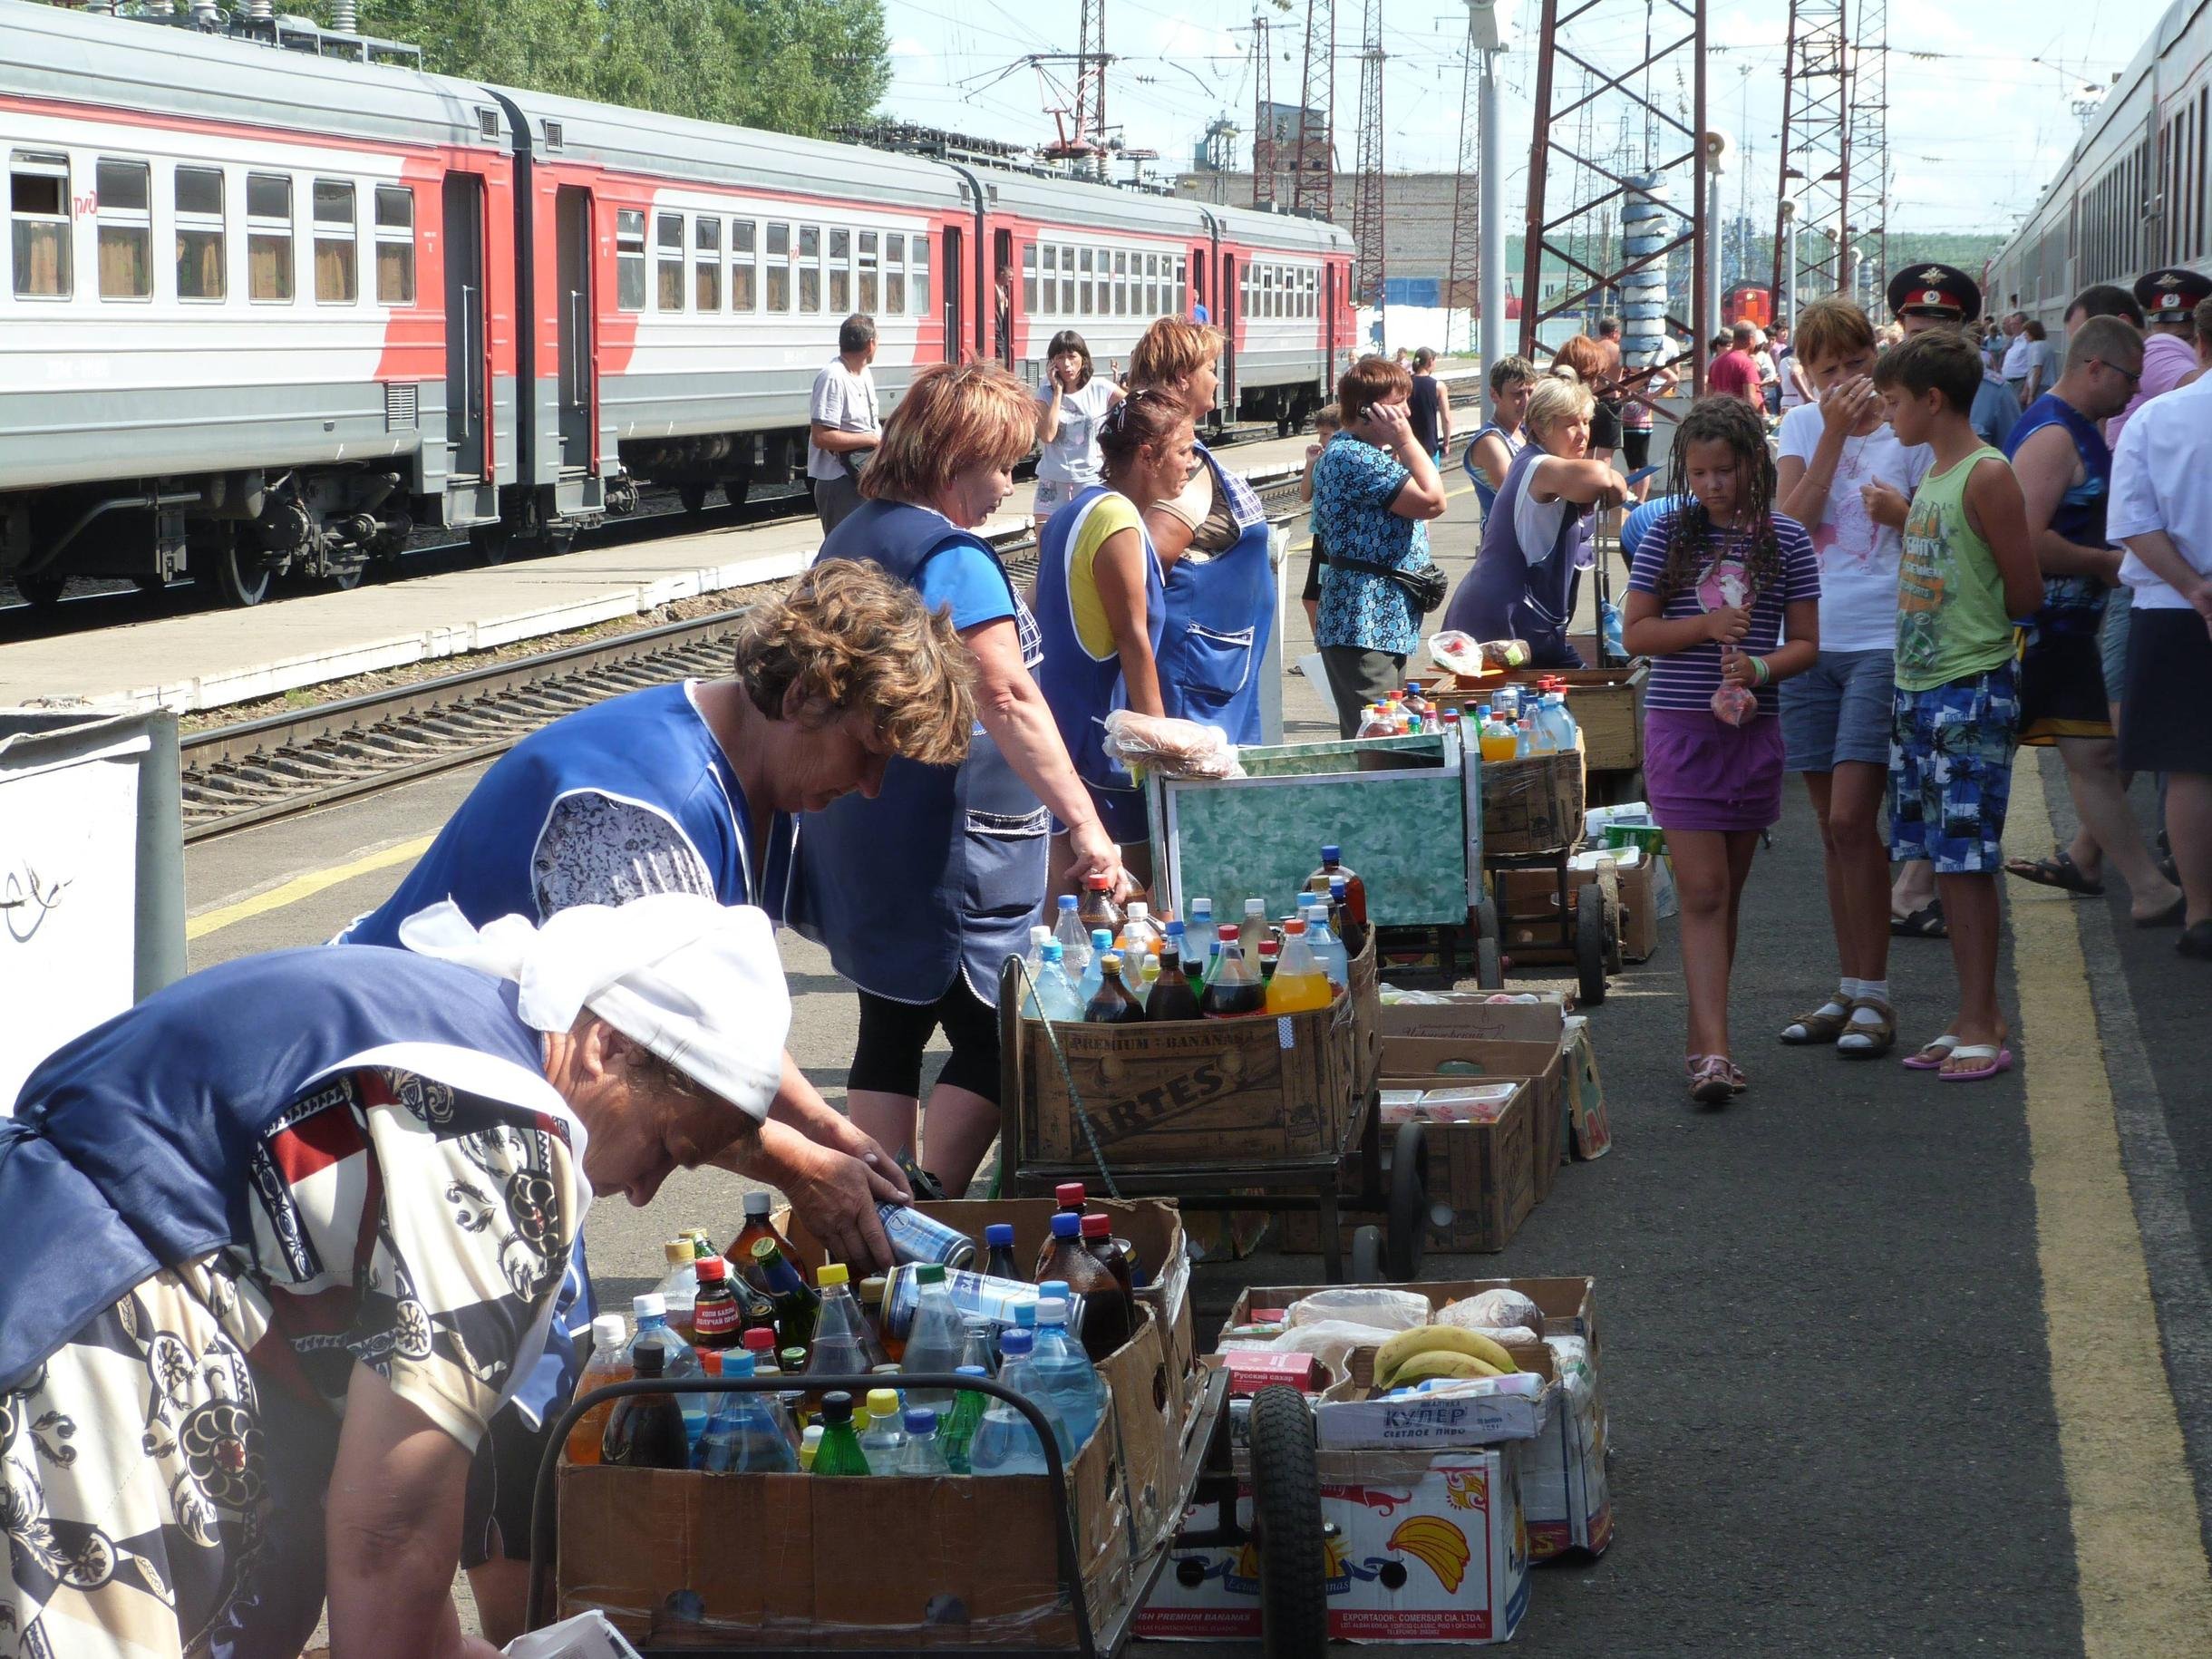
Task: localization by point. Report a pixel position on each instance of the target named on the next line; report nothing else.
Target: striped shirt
(1687, 679)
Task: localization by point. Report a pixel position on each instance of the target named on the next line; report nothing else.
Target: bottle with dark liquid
(1353, 933)
(646, 1430)
(1234, 990)
(1098, 908)
(797, 1307)
(1270, 953)
(1099, 1239)
(1112, 1004)
(1109, 1313)
(1173, 995)
(998, 1251)
(718, 1318)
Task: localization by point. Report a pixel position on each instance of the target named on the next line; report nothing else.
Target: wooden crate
(1607, 704)
(1533, 803)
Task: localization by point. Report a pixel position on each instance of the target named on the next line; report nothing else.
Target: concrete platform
(211, 658)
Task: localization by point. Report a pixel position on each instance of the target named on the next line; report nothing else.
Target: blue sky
(1976, 125)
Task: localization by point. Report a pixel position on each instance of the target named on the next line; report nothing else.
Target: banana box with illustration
(1426, 1546)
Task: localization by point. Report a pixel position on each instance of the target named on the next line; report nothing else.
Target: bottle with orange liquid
(1298, 983)
(609, 1362)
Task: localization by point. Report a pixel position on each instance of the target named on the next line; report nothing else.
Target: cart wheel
(1294, 1598)
(1407, 1218)
(1489, 965)
(1367, 1256)
(1590, 944)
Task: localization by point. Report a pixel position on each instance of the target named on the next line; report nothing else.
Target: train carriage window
(396, 245)
(918, 274)
(1083, 257)
(199, 233)
(706, 262)
(1121, 284)
(810, 268)
(124, 210)
(268, 238)
(1154, 304)
(336, 272)
(777, 276)
(1067, 281)
(668, 242)
(841, 272)
(1030, 298)
(2199, 189)
(870, 282)
(743, 296)
(629, 260)
(1182, 280)
(38, 224)
(894, 275)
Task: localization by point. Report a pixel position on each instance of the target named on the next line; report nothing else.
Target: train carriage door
(465, 361)
(572, 230)
(1002, 296)
(954, 273)
(1328, 328)
(1226, 396)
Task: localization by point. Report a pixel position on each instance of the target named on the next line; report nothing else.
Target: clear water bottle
(679, 1359)
(1005, 1443)
(1056, 998)
(956, 1432)
(1609, 623)
(885, 1438)
(936, 1340)
(746, 1433)
(921, 1456)
(1034, 960)
(1565, 733)
(1067, 1376)
(1094, 970)
(1327, 948)
(978, 1346)
(1073, 936)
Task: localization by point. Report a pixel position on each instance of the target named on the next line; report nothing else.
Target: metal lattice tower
(1263, 118)
(1313, 182)
(1626, 49)
(1866, 203)
(1464, 276)
(1091, 80)
(1816, 152)
(1368, 230)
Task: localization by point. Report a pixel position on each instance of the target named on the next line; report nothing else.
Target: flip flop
(1925, 923)
(1931, 1055)
(2196, 941)
(2173, 916)
(1997, 1059)
(2058, 870)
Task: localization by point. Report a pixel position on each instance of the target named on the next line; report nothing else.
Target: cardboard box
(1607, 703)
(1543, 1065)
(1429, 1547)
(1472, 1013)
(1529, 911)
(1251, 1370)
(1590, 1131)
(1532, 804)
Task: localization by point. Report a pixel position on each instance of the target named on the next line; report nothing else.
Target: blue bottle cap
(1336, 887)
(738, 1363)
(1065, 1225)
(969, 1370)
(1067, 901)
(1049, 951)
(1053, 1287)
(922, 1419)
(998, 1233)
(1100, 939)
(1017, 1343)
(1332, 854)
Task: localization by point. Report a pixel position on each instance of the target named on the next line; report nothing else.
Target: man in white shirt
(2161, 512)
(2019, 356)
(842, 426)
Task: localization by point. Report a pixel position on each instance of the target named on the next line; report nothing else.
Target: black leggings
(888, 1056)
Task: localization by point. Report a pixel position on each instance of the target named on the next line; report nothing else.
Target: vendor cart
(1533, 819)
(1286, 1527)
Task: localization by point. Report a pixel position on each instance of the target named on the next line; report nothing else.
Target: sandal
(2196, 941)
(1993, 1057)
(1932, 1053)
(1818, 1026)
(1925, 923)
(2058, 870)
(1869, 1039)
(1737, 1082)
(1710, 1084)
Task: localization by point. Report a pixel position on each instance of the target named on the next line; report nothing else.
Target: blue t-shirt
(969, 581)
(1353, 485)
(1638, 523)
(1687, 679)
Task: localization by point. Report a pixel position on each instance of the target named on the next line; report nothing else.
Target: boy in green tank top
(1968, 569)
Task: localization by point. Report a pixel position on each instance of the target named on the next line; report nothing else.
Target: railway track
(238, 776)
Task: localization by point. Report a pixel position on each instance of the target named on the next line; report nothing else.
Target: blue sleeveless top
(2073, 602)
(1515, 442)
(1220, 614)
(1523, 593)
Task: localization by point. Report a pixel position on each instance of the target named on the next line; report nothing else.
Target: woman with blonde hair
(1212, 541)
(1537, 538)
(921, 891)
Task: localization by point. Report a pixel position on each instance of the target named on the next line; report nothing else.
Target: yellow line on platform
(2145, 1587)
(303, 887)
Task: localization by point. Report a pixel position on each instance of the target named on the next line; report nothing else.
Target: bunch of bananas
(1439, 1351)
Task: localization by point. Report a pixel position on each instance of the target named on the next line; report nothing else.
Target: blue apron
(1220, 613)
(1520, 593)
(651, 748)
(1082, 690)
(939, 876)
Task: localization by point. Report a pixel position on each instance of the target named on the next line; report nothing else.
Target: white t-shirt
(1857, 558)
(2018, 355)
(2162, 480)
(843, 402)
(1073, 455)
(1786, 369)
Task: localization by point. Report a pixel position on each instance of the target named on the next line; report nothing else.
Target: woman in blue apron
(1212, 541)
(1537, 539)
(694, 788)
(282, 1238)
(1102, 607)
(922, 892)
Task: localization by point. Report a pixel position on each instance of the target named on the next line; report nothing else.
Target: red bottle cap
(710, 1268)
(710, 1361)
(760, 1339)
(1098, 882)
(1268, 948)
(1069, 1195)
(1228, 935)
(1098, 1227)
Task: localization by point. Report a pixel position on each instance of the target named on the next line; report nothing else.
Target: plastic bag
(1330, 1341)
(1493, 1310)
(587, 1636)
(1369, 1304)
(1734, 704)
(1176, 748)
(1458, 653)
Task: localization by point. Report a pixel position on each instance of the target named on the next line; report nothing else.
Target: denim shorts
(1951, 771)
(2112, 642)
(1839, 710)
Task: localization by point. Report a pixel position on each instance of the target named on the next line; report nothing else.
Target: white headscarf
(697, 983)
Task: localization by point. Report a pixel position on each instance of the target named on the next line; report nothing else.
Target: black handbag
(1424, 588)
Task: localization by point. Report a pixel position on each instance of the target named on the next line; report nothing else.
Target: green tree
(810, 64)
(545, 45)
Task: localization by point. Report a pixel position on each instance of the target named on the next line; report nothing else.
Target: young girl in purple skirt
(1718, 587)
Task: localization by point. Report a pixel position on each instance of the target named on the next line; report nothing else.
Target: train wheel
(151, 583)
(733, 491)
(42, 592)
(239, 576)
(491, 542)
(692, 496)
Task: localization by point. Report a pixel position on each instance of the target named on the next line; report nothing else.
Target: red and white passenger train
(273, 309)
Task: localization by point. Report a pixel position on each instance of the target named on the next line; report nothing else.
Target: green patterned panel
(1305, 759)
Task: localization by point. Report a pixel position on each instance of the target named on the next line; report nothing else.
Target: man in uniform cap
(1926, 296)
(2169, 300)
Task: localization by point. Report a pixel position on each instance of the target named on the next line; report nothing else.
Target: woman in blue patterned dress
(1374, 490)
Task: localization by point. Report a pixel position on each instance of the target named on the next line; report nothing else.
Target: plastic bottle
(870, 1292)
(1066, 1373)
(1113, 1003)
(1298, 983)
(1098, 910)
(798, 1308)
(646, 1430)
(1109, 1315)
(884, 1438)
(1141, 925)
(1417, 704)
(978, 1347)
(1494, 737)
(1353, 933)
(1328, 949)
(838, 1451)
(842, 1346)
(1173, 997)
(1524, 737)
(1254, 929)
(1073, 936)
(793, 1363)
(1005, 1443)
(1332, 865)
(809, 1446)
(1056, 998)
(1101, 946)
(718, 1318)
(746, 1433)
(922, 1455)
(1270, 953)
(1117, 1254)
(1152, 970)
(938, 1333)
(1614, 648)
(678, 1358)
(1566, 732)
(609, 1364)
(1198, 926)
(1032, 960)
(959, 1431)
(679, 1285)
(1234, 989)
(975, 1296)
(998, 1251)
(1375, 722)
